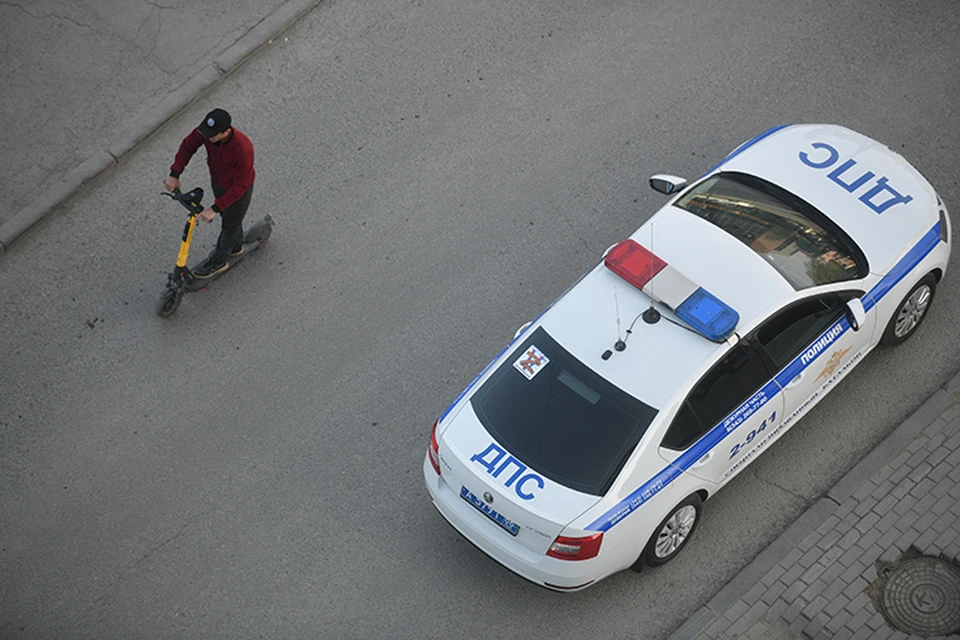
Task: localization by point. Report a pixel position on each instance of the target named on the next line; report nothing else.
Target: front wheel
(168, 302)
(911, 312)
(673, 533)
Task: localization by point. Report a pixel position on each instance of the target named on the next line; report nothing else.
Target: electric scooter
(182, 280)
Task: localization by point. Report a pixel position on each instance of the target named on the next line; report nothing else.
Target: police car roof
(854, 180)
(661, 359)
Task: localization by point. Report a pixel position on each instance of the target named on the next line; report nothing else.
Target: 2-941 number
(735, 449)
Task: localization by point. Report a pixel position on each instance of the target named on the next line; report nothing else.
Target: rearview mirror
(856, 314)
(667, 184)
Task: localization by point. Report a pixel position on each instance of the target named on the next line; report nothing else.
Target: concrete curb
(174, 103)
(135, 133)
(52, 197)
(816, 514)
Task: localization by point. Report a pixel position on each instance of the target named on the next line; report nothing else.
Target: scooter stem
(187, 238)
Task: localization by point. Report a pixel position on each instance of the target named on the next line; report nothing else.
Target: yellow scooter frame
(182, 280)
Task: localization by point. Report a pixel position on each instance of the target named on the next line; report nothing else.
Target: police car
(591, 442)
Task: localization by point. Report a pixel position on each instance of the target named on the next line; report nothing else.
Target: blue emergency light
(708, 315)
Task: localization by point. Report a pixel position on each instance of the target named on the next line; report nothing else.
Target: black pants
(231, 229)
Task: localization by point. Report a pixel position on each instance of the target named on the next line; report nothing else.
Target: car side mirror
(856, 314)
(667, 184)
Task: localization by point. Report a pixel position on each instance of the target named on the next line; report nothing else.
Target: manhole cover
(921, 596)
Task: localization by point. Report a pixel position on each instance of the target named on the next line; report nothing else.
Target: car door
(732, 407)
(811, 346)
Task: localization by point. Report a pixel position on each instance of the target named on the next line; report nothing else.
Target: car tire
(672, 535)
(911, 312)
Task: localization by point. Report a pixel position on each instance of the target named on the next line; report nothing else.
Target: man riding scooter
(230, 160)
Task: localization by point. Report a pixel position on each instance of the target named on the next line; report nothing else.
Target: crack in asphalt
(48, 16)
(782, 488)
(179, 532)
(103, 598)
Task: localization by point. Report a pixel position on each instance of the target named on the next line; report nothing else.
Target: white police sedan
(590, 444)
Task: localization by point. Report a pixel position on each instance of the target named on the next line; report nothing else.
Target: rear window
(557, 416)
(806, 247)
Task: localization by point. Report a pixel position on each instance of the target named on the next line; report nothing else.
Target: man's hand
(207, 214)
(171, 183)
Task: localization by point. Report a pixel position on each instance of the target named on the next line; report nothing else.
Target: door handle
(702, 461)
(795, 381)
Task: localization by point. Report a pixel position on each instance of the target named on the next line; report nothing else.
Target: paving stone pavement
(823, 578)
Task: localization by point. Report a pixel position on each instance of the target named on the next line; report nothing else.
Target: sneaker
(209, 269)
(237, 250)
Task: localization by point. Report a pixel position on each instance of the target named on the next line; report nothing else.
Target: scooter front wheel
(168, 302)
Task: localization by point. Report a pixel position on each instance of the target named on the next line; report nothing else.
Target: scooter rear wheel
(168, 302)
(259, 233)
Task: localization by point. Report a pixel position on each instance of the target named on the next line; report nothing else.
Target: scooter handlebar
(190, 200)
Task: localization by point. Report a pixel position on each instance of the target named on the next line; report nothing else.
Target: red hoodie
(230, 163)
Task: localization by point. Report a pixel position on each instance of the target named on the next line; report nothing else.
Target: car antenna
(619, 345)
(651, 315)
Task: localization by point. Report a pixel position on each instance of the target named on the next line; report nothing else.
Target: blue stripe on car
(906, 264)
(703, 446)
(746, 145)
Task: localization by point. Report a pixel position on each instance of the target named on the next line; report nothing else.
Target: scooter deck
(181, 280)
(198, 284)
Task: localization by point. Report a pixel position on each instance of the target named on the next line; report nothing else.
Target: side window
(720, 391)
(684, 430)
(792, 330)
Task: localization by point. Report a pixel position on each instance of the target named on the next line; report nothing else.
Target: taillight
(583, 548)
(434, 449)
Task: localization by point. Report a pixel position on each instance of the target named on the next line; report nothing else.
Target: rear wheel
(673, 533)
(258, 233)
(168, 302)
(911, 312)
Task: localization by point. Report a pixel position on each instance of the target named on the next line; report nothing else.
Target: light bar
(633, 263)
(704, 312)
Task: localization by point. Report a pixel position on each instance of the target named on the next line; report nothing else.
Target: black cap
(217, 121)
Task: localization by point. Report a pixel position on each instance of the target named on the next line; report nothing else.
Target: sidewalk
(854, 552)
(84, 83)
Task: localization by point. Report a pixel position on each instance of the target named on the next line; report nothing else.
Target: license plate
(508, 525)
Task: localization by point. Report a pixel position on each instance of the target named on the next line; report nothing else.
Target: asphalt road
(439, 172)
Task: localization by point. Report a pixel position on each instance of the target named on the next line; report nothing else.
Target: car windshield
(560, 418)
(805, 247)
